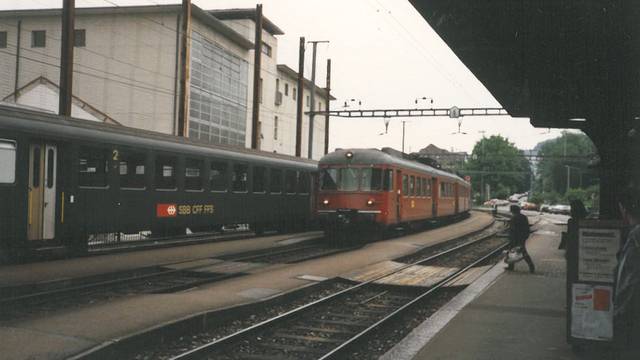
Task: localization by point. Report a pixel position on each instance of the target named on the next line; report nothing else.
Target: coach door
(435, 198)
(42, 191)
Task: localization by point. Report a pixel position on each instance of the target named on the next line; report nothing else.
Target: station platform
(70, 332)
(505, 314)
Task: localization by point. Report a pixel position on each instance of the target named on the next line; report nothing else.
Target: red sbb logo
(166, 210)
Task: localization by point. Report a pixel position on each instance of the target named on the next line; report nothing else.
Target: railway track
(28, 300)
(328, 327)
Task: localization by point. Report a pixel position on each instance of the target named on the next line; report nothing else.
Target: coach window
(7, 161)
(387, 183)
(405, 185)
(193, 172)
(348, 179)
(371, 179)
(290, 181)
(412, 186)
(165, 175)
(93, 167)
(131, 171)
(218, 176)
(303, 183)
(275, 183)
(419, 186)
(259, 179)
(239, 177)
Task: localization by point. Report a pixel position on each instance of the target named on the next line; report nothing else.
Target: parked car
(524, 205)
(560, 209)
(544, 207)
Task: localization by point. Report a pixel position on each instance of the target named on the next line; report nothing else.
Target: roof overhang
(250, 14)
(282, 68)
(557, 62)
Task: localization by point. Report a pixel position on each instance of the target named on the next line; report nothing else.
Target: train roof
(67, 128)
(378, 157)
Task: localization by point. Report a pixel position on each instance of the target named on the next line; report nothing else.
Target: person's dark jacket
(518, 230)
(627, 296)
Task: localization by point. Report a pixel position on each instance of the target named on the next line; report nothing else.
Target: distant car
(560, 209)
(528, 206)
(544, 208)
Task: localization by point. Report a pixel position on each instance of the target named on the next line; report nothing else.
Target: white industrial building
(126, 71)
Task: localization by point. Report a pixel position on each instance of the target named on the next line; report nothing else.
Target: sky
(384, 55)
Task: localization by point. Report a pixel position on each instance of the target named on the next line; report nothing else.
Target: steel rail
(342, 347)
(209, 347)
(124, 280)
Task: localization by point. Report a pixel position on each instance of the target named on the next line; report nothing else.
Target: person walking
(626, 300)
(518, 235)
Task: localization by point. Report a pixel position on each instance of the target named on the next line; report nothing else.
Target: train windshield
(353, 179)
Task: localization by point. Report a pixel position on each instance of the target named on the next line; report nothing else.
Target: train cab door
(456, 192)
(398, 183)
(434, 196)
(43, 159)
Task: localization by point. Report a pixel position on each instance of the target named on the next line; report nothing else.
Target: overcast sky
(385, 55)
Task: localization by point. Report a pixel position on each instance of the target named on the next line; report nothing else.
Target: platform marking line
(409, 347)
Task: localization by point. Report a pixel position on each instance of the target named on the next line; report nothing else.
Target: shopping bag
(514, 255)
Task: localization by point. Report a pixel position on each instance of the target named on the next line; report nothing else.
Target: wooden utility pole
(185, 48)
(328, 108)
(66, 58)
(300, 98)
(312, 106)
(257, 60)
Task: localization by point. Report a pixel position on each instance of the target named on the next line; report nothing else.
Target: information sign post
(590, 280)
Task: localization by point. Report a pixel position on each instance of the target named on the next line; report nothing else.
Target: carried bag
(514, 255)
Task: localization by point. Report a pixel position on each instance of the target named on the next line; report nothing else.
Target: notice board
(590, 280)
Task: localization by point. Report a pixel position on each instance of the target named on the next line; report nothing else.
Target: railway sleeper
(317, 339)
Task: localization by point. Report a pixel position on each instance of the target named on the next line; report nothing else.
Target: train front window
(7, 161)
(329, 179)
(371, 179)
(348, 179)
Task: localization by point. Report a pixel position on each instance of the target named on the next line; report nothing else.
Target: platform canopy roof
(550, 60)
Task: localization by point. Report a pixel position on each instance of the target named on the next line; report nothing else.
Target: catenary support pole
(328, 108)
(66, 58)
(257, 91)
(183, 104)
(300, 98)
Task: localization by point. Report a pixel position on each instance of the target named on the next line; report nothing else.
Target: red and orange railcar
(381, 189)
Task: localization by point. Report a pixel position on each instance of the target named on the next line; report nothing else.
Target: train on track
(376, 190)
(72, 184)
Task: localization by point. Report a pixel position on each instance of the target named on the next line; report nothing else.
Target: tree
(497, 162)
(566, 159)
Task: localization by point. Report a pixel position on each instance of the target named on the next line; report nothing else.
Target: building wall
(274, 81)
(126, 69)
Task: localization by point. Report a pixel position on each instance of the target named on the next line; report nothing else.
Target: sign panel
(597, 248)
(174, 210)
(592, 312)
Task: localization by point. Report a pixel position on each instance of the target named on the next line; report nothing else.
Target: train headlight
(370, 202)
(325, 201)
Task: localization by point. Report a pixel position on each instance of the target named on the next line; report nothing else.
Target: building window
(286, 88)
(38, 38)
(266, 49)
(307, 100)
(275, 128)
(79, 38)
(277, 85)
(294, 94)
(3, 39)
(218, 94)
